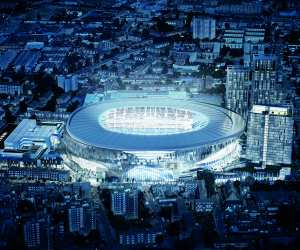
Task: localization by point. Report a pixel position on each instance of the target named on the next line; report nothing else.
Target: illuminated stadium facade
(178, 134)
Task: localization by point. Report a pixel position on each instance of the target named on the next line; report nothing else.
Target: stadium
(179, 134)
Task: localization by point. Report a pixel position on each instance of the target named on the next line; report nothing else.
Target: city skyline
(141, 124)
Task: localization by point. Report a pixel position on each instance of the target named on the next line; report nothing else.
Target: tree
(25, 206)
(20, 74)
(184, 244)
(249, 180)
(51, 105)
(293, 37)
(104, 67)
(209, 179)
(9, 117)
(288, 217)
(59, 198)
(136, 87)
(188, 20)
(145, 32)
(166, 212)
(23, 106)
(162, 26)
(218, 73)
(224, 51)
(218, 90)
(96, 58)
(73, 106)
(72, 61)
(115, 51)
(173, 228)
(236, 52)
(159, 238)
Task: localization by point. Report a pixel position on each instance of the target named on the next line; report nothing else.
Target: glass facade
(270, 135)
(237, 89)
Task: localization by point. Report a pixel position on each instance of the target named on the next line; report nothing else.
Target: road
(106, 231)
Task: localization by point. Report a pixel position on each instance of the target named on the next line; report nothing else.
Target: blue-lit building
(270, 135)
(155, 128)
(204, 28)
(67, 83)
(32, 234)
(32, 140)
(29, 133)
(81, 219)
(125, 203)
(135, 238)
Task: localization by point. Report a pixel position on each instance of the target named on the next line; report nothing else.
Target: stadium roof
(221, 125)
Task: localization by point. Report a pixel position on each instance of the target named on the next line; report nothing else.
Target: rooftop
(89, 124)
(29, 133)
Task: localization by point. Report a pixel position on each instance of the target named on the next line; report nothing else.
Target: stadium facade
(177, 133)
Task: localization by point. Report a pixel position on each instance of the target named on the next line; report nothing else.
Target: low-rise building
(67, 83)
(234, 38)
(138, 238)
(125, 203)
(36, 173)
(81, 219)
